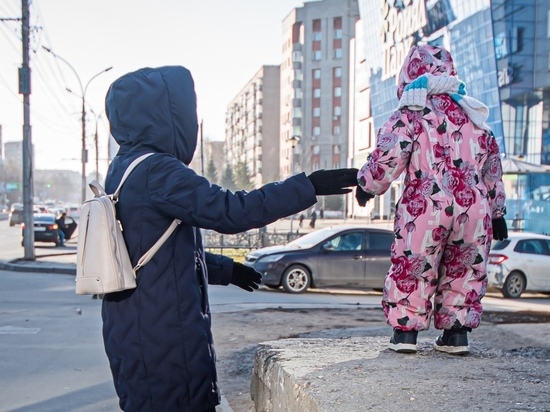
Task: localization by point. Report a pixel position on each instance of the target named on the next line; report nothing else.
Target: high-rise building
(315, 84)
(252, 127)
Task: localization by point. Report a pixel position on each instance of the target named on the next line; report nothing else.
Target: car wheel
(514, 285)
(296, 279)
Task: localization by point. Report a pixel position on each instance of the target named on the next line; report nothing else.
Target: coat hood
(156, 108)
(424, 59)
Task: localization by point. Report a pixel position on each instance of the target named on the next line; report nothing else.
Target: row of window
(318, 56)
(336, 72)
(317, 27)
(337, 111)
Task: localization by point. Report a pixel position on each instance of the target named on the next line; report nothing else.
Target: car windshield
(313, 238)
(500, 244)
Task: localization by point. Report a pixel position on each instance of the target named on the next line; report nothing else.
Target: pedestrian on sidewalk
(453, 203)
(158, 336)
(301, 220)
(313, 219)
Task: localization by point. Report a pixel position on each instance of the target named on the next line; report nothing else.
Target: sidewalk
(60, 260)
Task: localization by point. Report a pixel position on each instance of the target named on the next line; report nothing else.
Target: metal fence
(247, 240)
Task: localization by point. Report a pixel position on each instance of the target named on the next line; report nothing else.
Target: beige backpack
(102, 261)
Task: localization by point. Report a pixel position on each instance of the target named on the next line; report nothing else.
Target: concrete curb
(21, 265)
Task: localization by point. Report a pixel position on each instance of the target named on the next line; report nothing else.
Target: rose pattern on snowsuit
(452, 191)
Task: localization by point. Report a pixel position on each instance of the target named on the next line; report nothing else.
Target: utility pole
(202, 150)
(25, 90)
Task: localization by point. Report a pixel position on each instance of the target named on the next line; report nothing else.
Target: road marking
(14, 330)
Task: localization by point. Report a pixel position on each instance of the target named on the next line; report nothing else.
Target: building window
(337, 111)
(316, 25)
(316, 93)
(316, 112)
(337, 53)
(337, 72)
(316, 36)
(336, 131)
(338, 34)
(317, 73)
(317, 55)
(337, 91)
(316, 131)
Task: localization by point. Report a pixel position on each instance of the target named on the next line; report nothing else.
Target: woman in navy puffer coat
(158, 336)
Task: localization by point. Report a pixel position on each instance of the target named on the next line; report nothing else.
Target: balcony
(296, 84)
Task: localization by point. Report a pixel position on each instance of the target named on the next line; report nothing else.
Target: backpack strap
(147, 256)
(97, 188)
(127, 173)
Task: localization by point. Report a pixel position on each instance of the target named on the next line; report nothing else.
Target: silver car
(520, 263)
(341, 256)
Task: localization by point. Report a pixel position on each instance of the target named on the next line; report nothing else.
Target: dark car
(46, 229)
(342, 256)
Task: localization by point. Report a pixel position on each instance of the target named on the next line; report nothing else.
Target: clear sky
(223, 42)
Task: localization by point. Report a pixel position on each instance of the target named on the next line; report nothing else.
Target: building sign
(506, 76)
(506, 44)
(399, 24)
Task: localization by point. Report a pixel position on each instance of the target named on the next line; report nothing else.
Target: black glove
(245, 277)
(500, 229)
(333, 182)
(362, 196)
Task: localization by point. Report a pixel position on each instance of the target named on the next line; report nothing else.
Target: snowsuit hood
(421, 60)
(154, 109)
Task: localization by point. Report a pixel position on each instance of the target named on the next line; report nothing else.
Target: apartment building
(315, 84)
(252, 126)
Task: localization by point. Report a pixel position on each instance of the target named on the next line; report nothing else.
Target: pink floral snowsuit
(443, 221)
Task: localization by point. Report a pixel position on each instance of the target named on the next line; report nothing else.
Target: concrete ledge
(361, 374)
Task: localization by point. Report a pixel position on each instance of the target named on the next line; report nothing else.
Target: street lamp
(84, 154)
(294, 140)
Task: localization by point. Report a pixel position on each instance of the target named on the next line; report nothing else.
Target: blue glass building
(502, 52)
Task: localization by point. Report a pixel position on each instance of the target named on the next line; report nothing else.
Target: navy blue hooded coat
(158, 336)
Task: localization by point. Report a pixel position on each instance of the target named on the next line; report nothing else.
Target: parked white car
(520, 263)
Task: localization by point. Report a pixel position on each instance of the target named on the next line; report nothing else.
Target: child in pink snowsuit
(452, 204)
